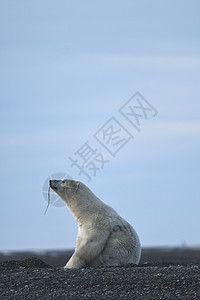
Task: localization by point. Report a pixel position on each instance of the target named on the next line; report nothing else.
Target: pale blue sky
(66, 67)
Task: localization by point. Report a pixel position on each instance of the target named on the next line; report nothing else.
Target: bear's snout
(52, 184)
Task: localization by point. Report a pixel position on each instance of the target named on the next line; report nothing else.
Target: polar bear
(104, 238)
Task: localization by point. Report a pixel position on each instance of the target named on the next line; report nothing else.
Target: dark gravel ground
(157, 278)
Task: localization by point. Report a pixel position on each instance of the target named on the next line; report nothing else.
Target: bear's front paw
(74, 262)
(66, 267)
(69, 265)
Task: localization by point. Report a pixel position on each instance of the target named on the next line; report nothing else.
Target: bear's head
(77, 196)
(80, 200)
(74, 193)
(67, 189)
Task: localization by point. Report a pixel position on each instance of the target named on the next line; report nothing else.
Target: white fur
(104, 238)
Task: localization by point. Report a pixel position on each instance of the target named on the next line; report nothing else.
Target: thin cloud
(154, 61)
(162, 129)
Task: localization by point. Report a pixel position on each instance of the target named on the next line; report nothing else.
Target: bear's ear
(77, 186)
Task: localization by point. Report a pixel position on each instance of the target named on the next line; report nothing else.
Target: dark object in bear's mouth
(48, 198)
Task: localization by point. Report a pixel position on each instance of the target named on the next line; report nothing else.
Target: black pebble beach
(32, 278)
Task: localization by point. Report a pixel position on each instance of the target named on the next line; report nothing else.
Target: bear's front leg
(88, 250)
